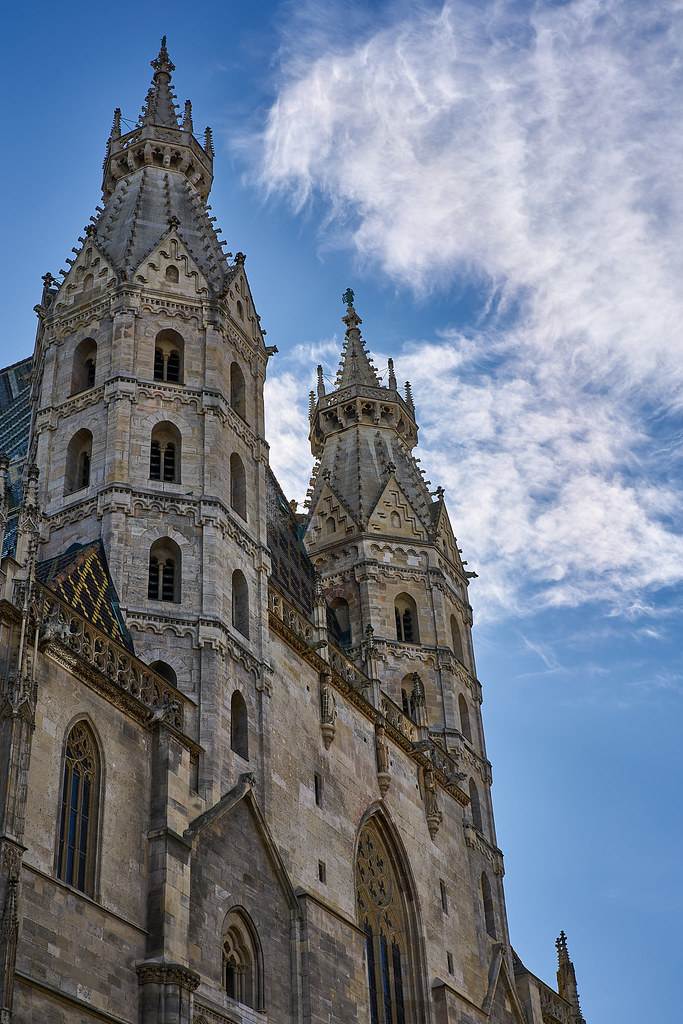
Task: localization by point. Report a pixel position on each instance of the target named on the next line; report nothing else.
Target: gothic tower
(149, 428)
(389, 562)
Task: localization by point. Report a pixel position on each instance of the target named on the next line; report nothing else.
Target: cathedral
(242, 762)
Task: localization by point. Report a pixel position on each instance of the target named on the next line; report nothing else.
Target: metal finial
(348, 296)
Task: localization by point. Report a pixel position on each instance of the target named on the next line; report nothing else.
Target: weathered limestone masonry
(242, 775)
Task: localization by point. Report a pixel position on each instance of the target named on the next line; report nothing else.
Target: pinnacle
(160, 108)
(355, 366)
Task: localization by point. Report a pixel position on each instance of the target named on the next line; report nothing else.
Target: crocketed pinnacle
(562, 953)
(159, 108)
(355, 366)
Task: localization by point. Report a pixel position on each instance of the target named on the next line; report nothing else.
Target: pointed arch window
(78, 461)
(238, 486)
(164, 453)
(84, 364)
(240, 602)
(465, 726)
(456, 640)
(487, 900)
(242, 960)
(405, 614)
(238, 392)
(163, 582)
(389, 943)
(168, 356)
(239, 725)
(78, 810)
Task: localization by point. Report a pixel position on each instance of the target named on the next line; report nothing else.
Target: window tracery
(78, 810)
(242, 967)
(383, 920)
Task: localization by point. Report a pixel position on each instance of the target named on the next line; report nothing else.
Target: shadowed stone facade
(241, 751)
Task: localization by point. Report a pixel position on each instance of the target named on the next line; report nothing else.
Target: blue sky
(500, 184)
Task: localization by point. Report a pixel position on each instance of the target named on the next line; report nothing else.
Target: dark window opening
(155, 461)
(76, 849)
(239, 725)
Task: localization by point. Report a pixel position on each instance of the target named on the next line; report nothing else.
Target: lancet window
(240, 602)
(238, 486)
(83, 370)
(78, 810)
(242, 961)
(380, 899)
(238, 399)
(164, 571)
(405, 613)
(239, 725)
(164, 454)
(168, 357)
(78, 460)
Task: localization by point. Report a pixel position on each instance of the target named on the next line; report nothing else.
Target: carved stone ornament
(152, 972)
(383, 774)
(328, 710)
(433, 814)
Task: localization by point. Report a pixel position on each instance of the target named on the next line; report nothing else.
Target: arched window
(340, 607)
(475, 805)
(164, 670)
(487, 900)
(240, 602)
(465, 727)
(330, 525)
(405, 613)
(172, 274)
(239, 725)
(456, 640)
(78, 459)
(164, 453)
(240, 310)
(383, 900)
(238, 397)
(84, 364)
(168, 356)
(238, 486)
(242, 960)
(78, 812)
(395, 521)
(405, 702)
(164, 571)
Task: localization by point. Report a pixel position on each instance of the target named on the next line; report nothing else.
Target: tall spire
(566, 979)
(159, 140)
(355, 366)
(160, 108)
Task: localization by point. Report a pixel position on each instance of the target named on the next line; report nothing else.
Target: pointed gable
(171, 265)
(331, 518)
(90, 274)
(394, 515)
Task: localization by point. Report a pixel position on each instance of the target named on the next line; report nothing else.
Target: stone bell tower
(388, 559)
(148, 413)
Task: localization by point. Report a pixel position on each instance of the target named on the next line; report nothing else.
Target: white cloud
(537, 151)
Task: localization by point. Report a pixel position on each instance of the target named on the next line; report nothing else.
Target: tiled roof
(81, 578)
(15, 422)
(15, 409)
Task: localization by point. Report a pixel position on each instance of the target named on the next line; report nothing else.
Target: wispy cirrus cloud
(535, 152)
